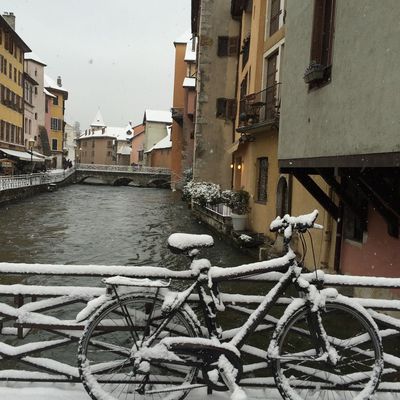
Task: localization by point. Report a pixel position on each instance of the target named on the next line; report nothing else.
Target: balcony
(260, 110)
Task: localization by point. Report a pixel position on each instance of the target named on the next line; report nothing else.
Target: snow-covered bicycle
(144, 341)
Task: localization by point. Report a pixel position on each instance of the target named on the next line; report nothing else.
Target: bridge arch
(124, 181)
(159, 183)
(98, 179)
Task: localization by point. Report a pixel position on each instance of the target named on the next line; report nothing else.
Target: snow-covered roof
(125, 150)
(34, 57)
(190, 53)
(50, 83)
(98, 120)
(184, 38)
(189, 82)
(158, 116)
(164, 143)
(114, 132)
(47, 93)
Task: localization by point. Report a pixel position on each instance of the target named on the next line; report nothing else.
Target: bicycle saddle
(183, 242)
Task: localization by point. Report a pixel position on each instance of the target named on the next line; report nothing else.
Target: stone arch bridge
(120, 175)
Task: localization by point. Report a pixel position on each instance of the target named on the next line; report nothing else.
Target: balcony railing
(260, 108)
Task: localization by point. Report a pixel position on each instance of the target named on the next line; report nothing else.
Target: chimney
(10, 18)
(59, 83)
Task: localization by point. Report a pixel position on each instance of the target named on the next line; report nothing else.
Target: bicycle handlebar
(300, 223)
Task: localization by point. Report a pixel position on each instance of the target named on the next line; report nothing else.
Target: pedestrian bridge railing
(123, 168)
(39, 334)
(41, 178)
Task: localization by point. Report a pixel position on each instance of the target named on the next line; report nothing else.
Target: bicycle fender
(92, 306)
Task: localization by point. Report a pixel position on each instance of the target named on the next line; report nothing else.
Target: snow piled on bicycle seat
(183, 241)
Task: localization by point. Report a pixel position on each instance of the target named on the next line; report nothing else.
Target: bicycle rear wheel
(114, 333)
(300, 374)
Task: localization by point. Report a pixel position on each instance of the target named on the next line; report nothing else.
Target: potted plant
(313, 72)
(238, 202)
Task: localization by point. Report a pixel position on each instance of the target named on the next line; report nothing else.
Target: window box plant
(314, 72)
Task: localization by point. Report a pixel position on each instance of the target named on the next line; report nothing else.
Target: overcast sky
(114, 54)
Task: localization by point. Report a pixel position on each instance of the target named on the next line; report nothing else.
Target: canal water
(104, 225)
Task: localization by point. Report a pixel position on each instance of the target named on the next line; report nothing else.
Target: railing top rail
(121, 168)
(165, 273)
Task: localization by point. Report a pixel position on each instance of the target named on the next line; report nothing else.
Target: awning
(22, 155)
(36, 153)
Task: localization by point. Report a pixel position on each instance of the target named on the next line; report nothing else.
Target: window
(274, 16)
(56, 124)
(322, 38)
(140, 155)
(245, 51)
(109, 144)
(93, 142)
(7, 132)
(271, 88)
(262, 179)
(54, 144)
(46, 106)
(15, 75)
(226, 108)
(30, 127)
(36, 92)
(109, 153)
(36, 116)
(55, 101)
(10, 71)
(12, 133)
(228, 46)
(2, 130)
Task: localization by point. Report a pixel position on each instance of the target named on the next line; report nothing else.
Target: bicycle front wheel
(114, 333)
(301, 374)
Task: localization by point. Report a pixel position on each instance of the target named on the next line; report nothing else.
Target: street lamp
(31, 143)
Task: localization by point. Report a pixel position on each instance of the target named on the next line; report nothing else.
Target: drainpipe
(237, 105)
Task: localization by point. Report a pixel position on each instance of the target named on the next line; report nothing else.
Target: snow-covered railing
(123, 168)
(220, 209)
(42, 317)
(42, 178)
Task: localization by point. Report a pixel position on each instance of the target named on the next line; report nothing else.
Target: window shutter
(233, 46)
(231, 109)
(223, 44)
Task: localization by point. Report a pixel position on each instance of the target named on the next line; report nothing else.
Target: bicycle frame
(290, 276)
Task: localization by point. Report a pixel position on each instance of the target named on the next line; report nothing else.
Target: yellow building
(57, 124)
(255, 150)
(12, 49)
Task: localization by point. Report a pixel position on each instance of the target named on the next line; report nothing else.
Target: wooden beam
(341, 192)
(382, 190)
(391, 219)
(318, 194)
